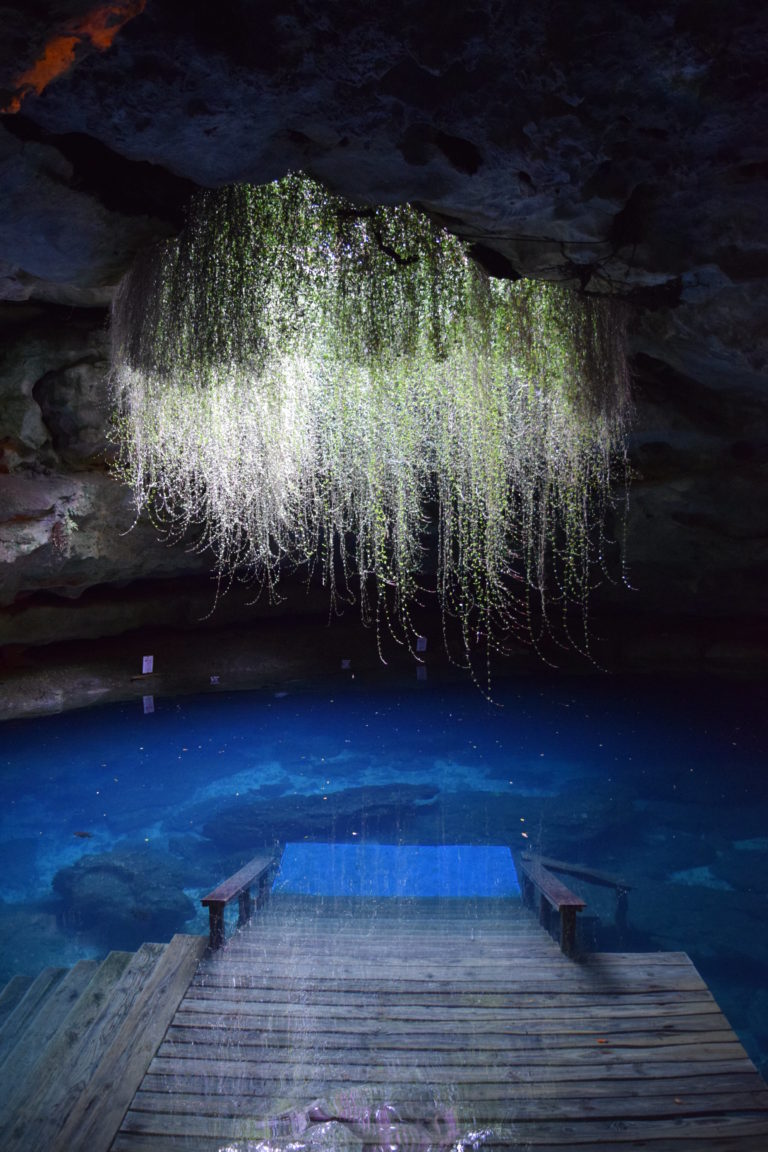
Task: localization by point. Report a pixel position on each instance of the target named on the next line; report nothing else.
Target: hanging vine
(301, 380)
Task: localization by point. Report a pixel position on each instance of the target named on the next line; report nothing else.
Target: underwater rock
(744, 868)
(373, 811)
(558, 825)
(701, 877)
(36, 939)
(124, 898)
(699, 920)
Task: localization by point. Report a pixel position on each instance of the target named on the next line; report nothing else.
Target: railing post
(262, 894)
(244, 907)
(568, 930)
(216, 925)
(542, 890)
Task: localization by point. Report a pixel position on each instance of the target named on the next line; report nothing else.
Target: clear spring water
(663, 784)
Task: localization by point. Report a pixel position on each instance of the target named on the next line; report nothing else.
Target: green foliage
(304, 382)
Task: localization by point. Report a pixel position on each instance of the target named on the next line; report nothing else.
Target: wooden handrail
(553, 894)
(593, 876)
(261, 871)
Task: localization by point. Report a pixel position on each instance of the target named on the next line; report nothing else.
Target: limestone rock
(56, 242)
(65, 533)
(374, 810)
(124, 897)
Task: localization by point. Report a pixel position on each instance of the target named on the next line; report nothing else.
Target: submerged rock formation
(619, 149)
(124, 897)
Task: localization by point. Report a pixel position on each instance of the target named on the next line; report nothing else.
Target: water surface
(114, 822)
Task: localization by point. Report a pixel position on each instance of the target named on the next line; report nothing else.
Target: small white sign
(149, 704)
(345, 664)
(214, 679)
(421, 643)
(147, 664)
(421, 672)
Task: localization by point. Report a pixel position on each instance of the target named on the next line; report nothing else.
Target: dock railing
(541, 889)
(259, 873)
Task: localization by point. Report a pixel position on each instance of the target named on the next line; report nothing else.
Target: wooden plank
(83, 1057)
(151, 1142)
(589, 1134)
(27, 1007)
(137, 1142)
(451, 967)
(552, 889)
(51, 1077)
(40, 1030)
(189, 1093)
(315, 1066)
(623, 966)
(572, 1133)
(577, 1102)
(550, 1116)
(537, 977)
(237, 883)
(246, 992)
(373, 983)
(439, 1023)
(424, 1038)
(598, 961)
(96, 1115)
(430, 1052)
(245, 988)
(587, 1082)
(12, 994)
(265, 923)
(290, 943)
(593, 875)
(653, 1143)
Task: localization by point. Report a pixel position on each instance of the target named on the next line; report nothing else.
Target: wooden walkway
(440, 1025)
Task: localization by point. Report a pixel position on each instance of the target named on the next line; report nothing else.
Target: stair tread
(72, 1058)
(12, 994)
(43, 1027)
(28, 1007)
(52, 1063)
(97, 1112)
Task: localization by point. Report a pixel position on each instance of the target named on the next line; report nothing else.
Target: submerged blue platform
(417, 871)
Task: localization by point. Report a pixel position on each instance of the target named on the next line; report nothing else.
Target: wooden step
(98, 1111)
(28, 1007)
(12, 994)
(28, 1048)
(53, 1065)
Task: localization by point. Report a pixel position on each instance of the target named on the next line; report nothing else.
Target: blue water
(115, 822)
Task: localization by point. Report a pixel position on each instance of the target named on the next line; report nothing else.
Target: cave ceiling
(620, 147)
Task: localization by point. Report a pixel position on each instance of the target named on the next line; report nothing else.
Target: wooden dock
(414, 1025)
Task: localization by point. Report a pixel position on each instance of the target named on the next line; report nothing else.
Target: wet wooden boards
(343, 1024)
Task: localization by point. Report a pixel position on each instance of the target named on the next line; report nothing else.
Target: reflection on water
(114, 822)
